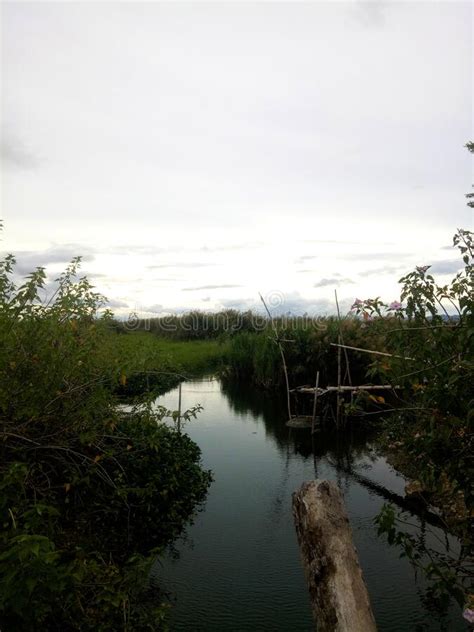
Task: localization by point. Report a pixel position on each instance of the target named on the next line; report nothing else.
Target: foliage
(433, 363)
(254, 357)
(449, 576)
(193, 325)
(89, 494)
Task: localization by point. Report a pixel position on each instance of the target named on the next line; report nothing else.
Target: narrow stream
(238, 568)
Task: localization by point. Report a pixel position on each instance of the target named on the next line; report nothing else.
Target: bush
(89, 495)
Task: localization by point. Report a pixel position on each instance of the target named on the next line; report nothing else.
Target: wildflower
(422, 269)
(357, 303)
(468, 614)
(395, 305)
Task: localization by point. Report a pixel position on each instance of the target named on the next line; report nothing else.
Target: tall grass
(254, 356)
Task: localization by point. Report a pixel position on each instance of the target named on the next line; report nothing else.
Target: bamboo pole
(315, 403)
(282, 353)
(381, 353)
(179, 407)
(338, 402)
(348, 371)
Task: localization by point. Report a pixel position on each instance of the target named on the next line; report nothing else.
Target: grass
(152, 362)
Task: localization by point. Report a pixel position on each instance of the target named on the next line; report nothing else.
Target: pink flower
(395, 305)
(468, 614)
(422, 269)
(357, 303)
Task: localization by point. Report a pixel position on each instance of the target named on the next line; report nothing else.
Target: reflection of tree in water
(345, 448)
(346, 451)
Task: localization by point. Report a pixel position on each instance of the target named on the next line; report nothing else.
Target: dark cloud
(29, 260)
(336, 280)
(209, 287)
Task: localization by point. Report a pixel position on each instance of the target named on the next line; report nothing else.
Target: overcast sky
(196, 154)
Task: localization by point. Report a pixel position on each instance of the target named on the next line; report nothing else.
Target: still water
(238, 568)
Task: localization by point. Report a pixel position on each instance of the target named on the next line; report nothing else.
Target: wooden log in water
(338, 594)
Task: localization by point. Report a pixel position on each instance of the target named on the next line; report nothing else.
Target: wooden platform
(302, 421)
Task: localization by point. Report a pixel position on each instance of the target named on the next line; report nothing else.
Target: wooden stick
(179, 408)
(382, 353)
(338, 594)
(348, 371)
(338, 401)
(280, 347)
(315, 402)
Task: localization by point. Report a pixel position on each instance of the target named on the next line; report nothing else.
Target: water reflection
(240, 567)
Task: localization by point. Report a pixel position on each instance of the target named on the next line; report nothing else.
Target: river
(238, 568)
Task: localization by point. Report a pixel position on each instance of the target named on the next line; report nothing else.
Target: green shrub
(88, 494)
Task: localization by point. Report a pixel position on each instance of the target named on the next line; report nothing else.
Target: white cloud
(232, 141)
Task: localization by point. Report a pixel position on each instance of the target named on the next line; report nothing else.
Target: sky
(197, 154)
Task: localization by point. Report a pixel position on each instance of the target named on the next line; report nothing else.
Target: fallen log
(338, 594)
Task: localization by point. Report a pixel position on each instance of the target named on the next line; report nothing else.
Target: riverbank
(152, 363)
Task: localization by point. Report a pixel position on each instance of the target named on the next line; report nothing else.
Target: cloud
(293, 304)
(93, 275)
(14, 154)
(209, 287)
(116, 303)
(380, 271)
(370, 13)
(29, 260)
(181, 264)
(367, 256)
(343, 242)
(168, 279)
(448, 266)
(332, 281)
(304, 258)
(230, 247)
